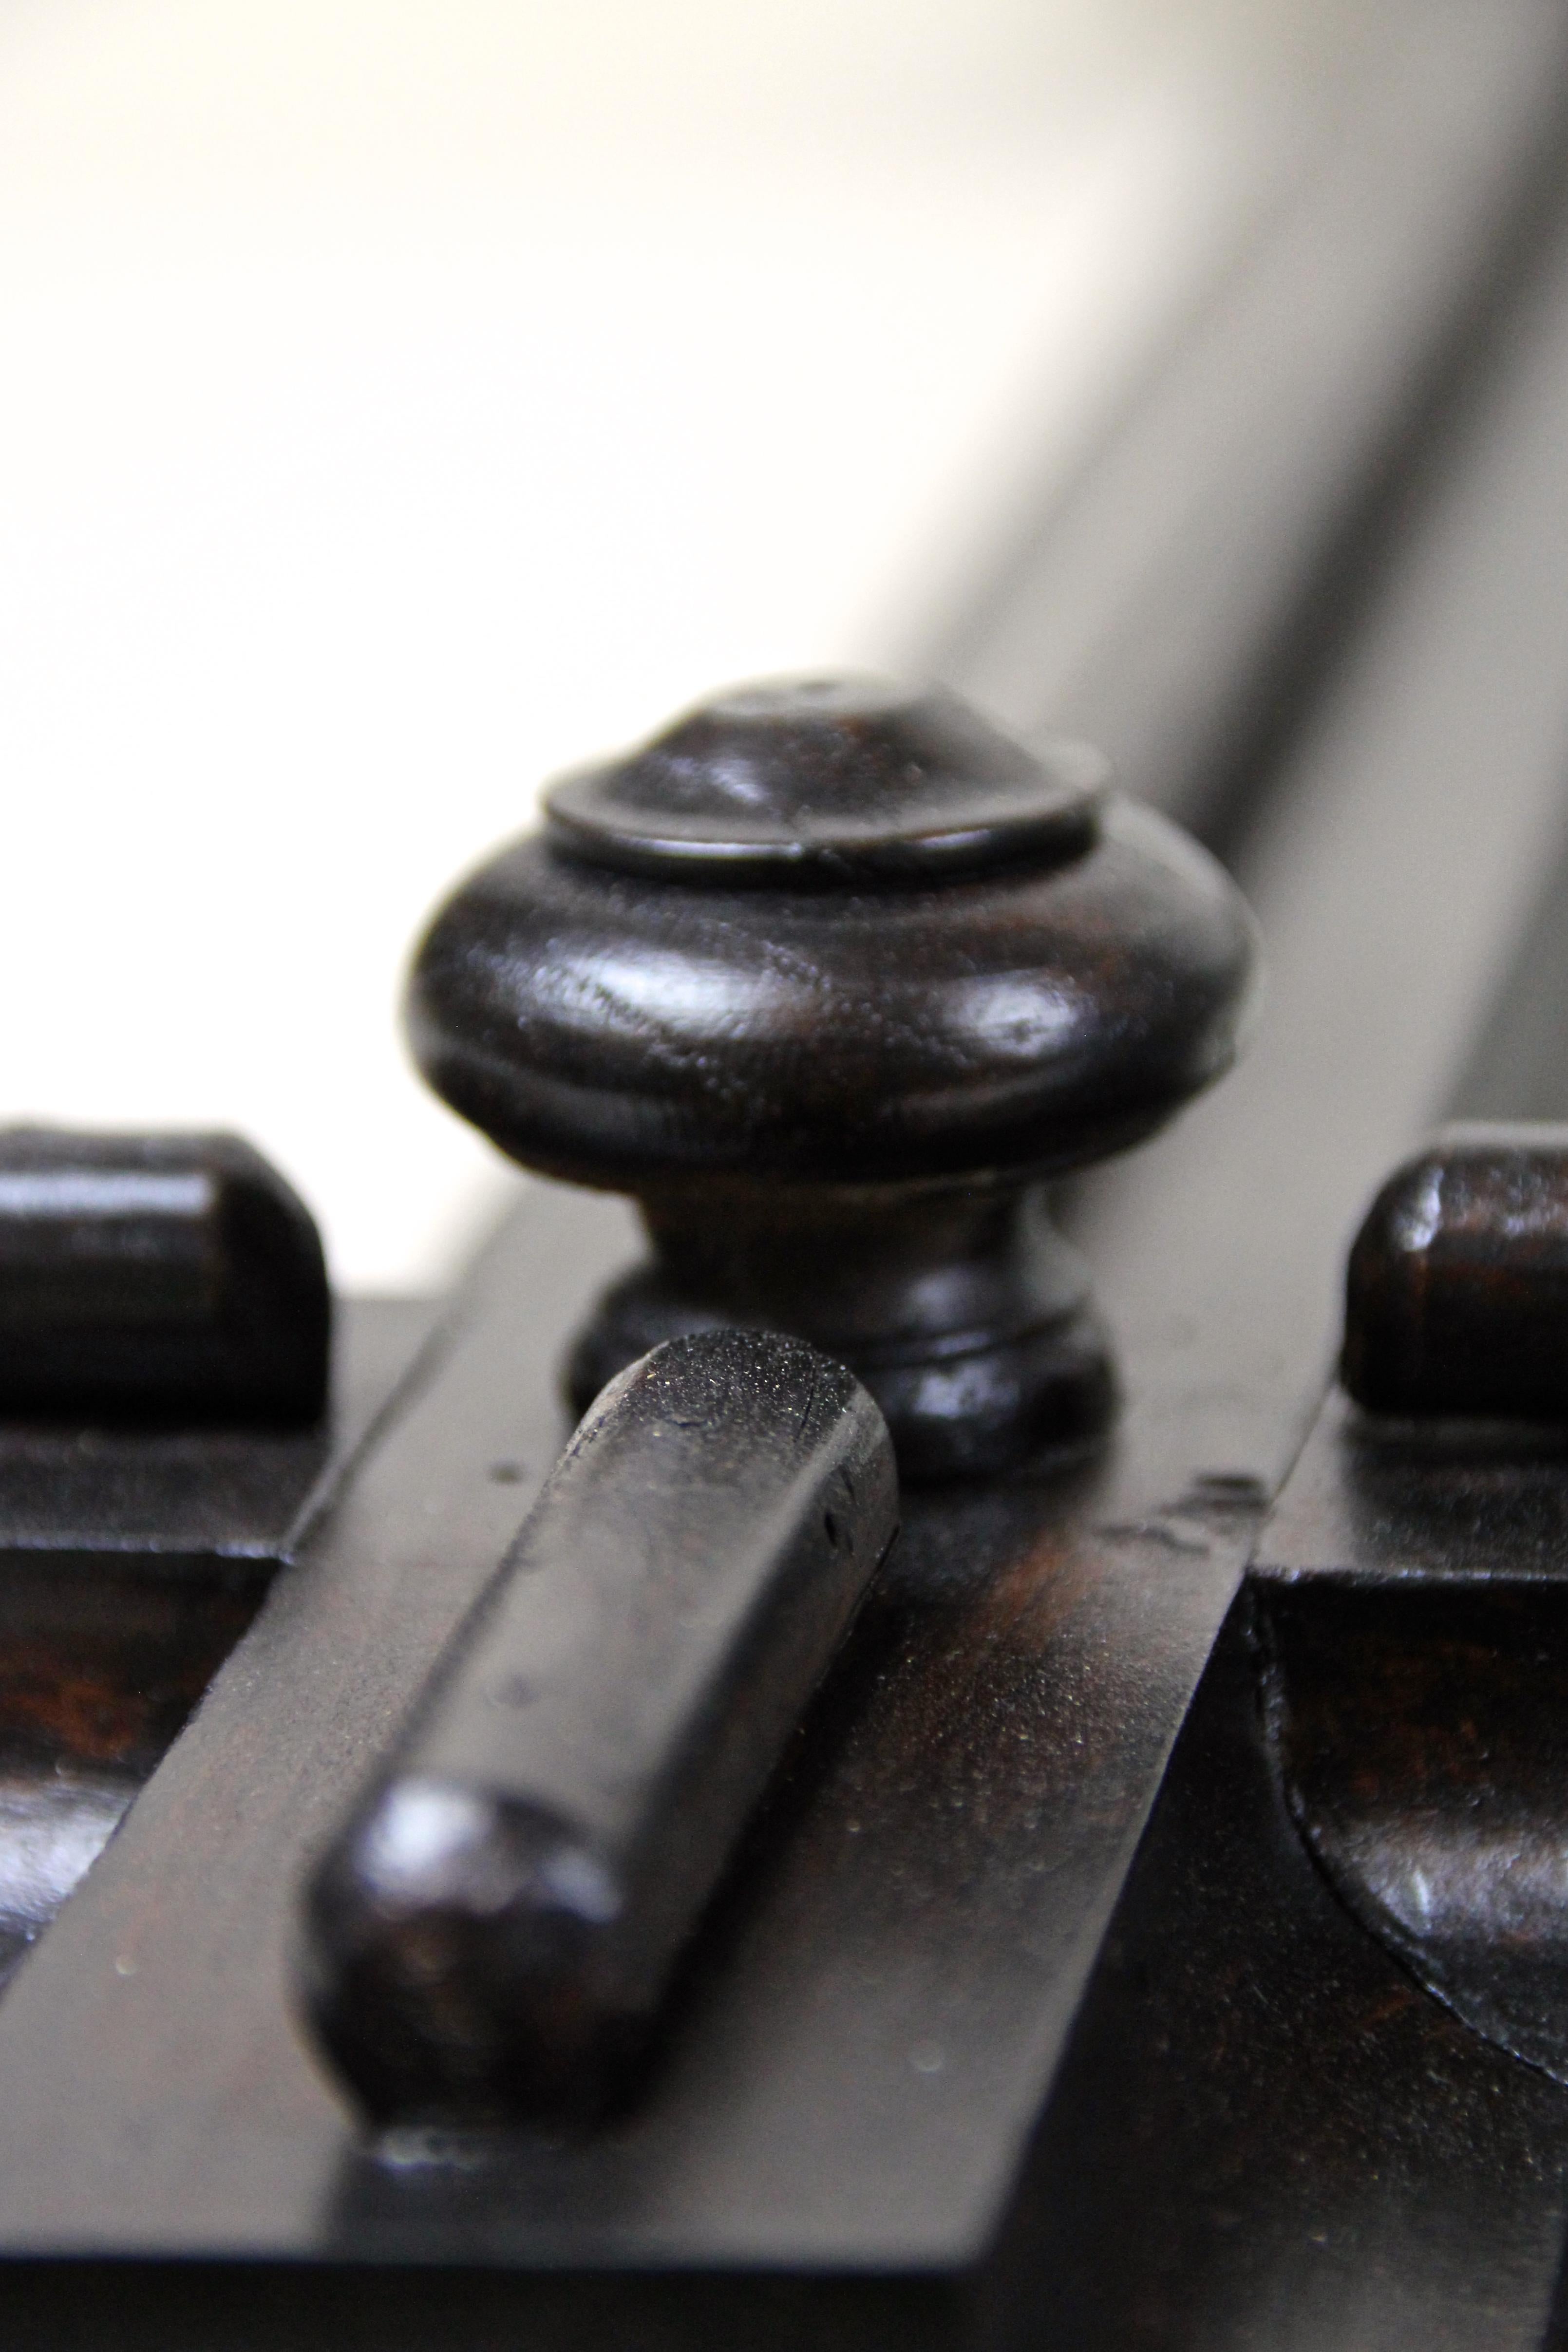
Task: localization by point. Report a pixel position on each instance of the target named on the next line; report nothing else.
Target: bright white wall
(398, 401)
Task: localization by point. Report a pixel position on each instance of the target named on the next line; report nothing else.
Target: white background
(400, 401)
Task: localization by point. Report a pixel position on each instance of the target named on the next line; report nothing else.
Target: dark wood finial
(830, 975)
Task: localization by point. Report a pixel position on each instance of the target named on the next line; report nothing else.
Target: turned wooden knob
(830, 975)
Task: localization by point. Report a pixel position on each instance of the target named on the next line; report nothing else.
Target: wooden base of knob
(963, 1312)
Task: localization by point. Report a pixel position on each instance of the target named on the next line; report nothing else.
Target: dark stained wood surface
(873, 2017)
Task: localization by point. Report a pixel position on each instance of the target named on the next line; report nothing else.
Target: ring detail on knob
(830, 976)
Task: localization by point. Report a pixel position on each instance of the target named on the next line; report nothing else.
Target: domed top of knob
(830, 779)
(831, 932)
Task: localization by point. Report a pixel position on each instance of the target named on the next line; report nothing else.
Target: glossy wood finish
(148, 1278)
(1061, 2083)
(869, 2020)
(493, 1933)
(132, 1560)
(1456, 1292)
(827, 977)
(829, 781)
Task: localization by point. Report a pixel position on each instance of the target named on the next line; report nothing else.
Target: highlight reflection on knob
(830, 976)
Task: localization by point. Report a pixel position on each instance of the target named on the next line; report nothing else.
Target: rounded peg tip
(1457, 1288)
